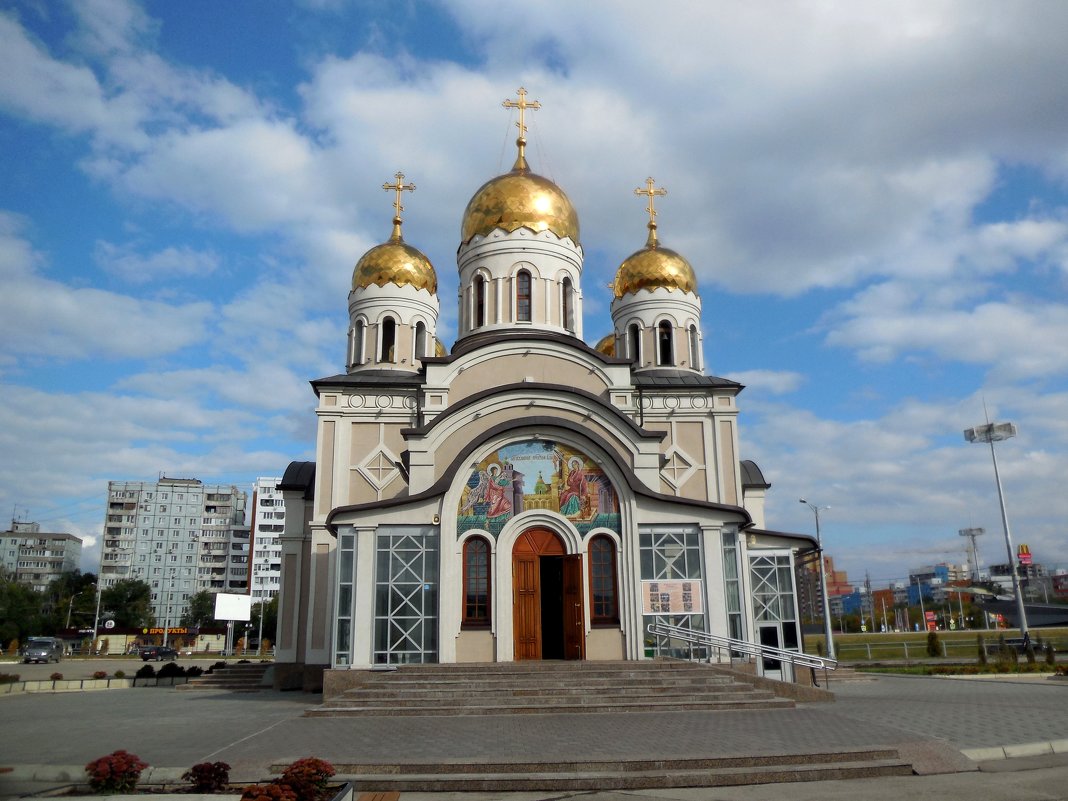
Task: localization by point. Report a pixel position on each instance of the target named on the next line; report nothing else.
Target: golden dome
(606, 345)
(439, 348)
(395, 262)
(519, 199)
(653, 267)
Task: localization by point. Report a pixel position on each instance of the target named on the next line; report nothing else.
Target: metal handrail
(741, 646)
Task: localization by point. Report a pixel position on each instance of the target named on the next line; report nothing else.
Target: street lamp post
(991, 433)
(823, 580)
(71, 606)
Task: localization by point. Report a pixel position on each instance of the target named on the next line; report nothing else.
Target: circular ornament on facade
(356, 401)
(409, 402)
(699, 401)
(645, 402)
(384, 401)
(671, 403)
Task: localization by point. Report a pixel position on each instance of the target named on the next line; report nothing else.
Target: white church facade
(523, 495)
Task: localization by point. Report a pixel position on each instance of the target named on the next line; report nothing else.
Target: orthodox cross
(398, 187)
(651, 193)
(522, 104)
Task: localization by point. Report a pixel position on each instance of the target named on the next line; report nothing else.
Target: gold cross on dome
(398, 187)
(522, 105)
(651, 192)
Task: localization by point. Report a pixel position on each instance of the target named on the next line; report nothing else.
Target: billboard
(229, 606)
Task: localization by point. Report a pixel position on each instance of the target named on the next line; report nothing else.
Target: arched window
(665, 343)
(604, 603)
(420, 340)
(480, 301)
(568, 316)
(476, 582)
(387, 340)
(522, 296)
(634, 344)
(357, 342)
(695, 348)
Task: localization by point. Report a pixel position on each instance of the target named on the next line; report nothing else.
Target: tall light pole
(71, 606)
(823, 580)
(991, 433)
(971, 534)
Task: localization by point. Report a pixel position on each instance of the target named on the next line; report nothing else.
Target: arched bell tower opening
(547, 606)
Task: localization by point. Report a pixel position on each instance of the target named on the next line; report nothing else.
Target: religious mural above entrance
(537, 474)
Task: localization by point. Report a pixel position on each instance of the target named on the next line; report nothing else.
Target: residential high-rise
(36, 557)
(177, 535)
(268, 523)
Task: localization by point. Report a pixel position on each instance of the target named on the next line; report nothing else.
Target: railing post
(906, 651)
(869, 651)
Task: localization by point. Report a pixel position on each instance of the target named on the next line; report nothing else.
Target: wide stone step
(544, 708)
(472, 690)
(623, 774)
(235, 678)
(558, 698)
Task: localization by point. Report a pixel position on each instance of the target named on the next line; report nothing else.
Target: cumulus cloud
(773, 382)
(123, 261)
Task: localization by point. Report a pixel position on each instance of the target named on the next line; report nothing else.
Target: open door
(526, 606)
(574, 619)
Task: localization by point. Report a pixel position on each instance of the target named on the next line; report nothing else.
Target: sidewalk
(930, 720)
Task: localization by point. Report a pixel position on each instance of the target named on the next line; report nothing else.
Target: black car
(157, 653)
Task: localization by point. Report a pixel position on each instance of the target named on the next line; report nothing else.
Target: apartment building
(34, 557)
(268, 523)
(179, 536)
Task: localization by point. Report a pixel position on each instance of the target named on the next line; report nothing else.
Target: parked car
(42, 649)
(158, 653)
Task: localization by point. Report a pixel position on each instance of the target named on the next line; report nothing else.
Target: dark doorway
(552, 607)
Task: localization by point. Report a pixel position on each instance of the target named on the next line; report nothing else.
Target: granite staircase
(243, 677)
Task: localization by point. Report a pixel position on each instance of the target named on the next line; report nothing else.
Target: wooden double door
(547, 600)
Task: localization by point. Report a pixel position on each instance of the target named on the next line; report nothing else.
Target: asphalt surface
(932, 721)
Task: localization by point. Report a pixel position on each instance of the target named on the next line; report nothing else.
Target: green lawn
(959, 645)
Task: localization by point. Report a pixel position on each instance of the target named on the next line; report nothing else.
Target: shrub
(146, 671)
(100, 674)
(1029, 652)
(933, 646)
(120, 674)
(57, 676)
(171, 670)
(117, 772)
(208, 777)
(1051, 654)
(268, 792)
(307, 777)
(8, 678)
(194, 670)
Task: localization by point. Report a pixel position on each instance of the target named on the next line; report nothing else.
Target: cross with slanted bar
(651, 192)
(398, 187)
(522, 105)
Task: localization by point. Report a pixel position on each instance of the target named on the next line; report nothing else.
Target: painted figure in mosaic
(499, 491)
(575, 488)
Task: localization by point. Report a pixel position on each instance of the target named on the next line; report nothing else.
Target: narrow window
(476, 582)
(568, 317)
(664, 343)
(420, 340)
(695, 348)
(604, 607)
(634, 341)
(388, 340)
(522, 296)
(480, 302)
(357, 344)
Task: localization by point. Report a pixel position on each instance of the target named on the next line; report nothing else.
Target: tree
(128, 602)
(20, 612)
(72, 596)
(270, 618)
(201, 609)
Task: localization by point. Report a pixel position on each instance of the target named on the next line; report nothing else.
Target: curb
(75, 774)
(1014, 751)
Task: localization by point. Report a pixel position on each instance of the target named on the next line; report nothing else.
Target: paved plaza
(930, 720)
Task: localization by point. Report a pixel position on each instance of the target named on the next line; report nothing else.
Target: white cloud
(171, 263)
(41, 317)
(773, 382)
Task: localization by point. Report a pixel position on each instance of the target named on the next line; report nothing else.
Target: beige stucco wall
(475, 646)
(510, 367)
(604, 644)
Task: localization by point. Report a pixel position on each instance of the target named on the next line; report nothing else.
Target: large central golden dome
(653, 267)
(395, 262)
(519, 199)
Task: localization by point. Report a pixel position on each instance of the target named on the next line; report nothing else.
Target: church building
(524, 495)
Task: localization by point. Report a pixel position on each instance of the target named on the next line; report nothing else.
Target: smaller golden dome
(519, 199)
(395, 262)
(653, 267)
(439, 348)
(606, 345)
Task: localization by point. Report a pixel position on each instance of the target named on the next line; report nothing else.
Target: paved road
(928, 719)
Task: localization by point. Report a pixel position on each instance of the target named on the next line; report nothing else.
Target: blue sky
(873, 196)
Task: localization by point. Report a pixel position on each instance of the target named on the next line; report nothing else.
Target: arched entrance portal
(548, 618)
